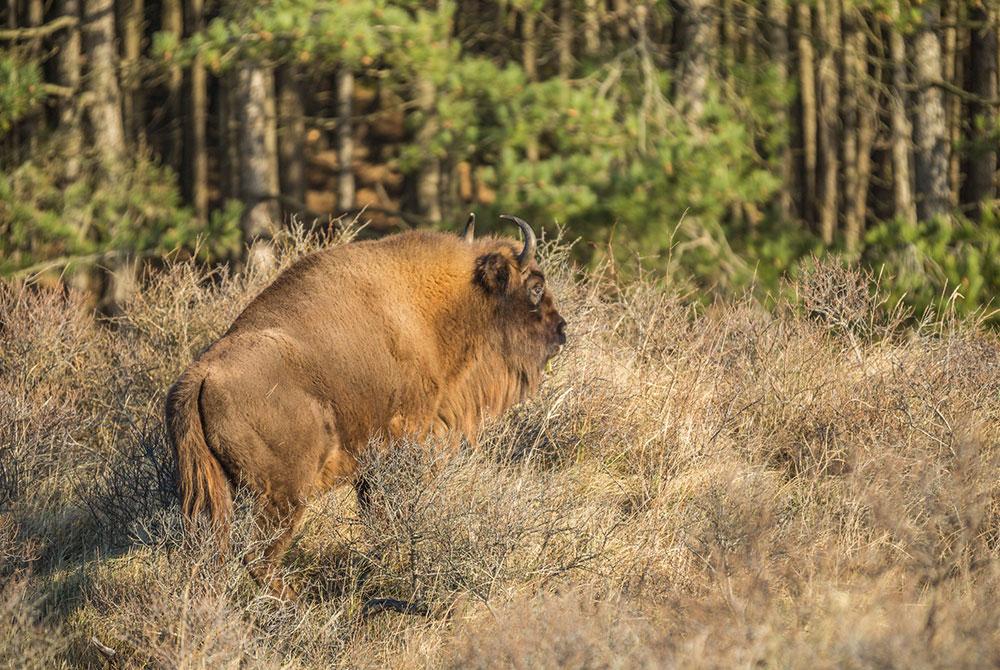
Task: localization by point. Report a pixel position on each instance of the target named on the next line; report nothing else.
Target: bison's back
(420, 270)
(371, 318)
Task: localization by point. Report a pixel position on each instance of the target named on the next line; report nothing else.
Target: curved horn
(528, 252)
(470, 227)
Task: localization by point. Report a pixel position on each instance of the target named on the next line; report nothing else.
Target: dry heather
(810, 483)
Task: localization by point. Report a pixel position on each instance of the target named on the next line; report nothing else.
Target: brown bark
(778, 49)
(35, 32)
(291, 139)
(529, 60)
(229, 126)
(951, 62)
(36, 16)
(429, 175)
(729, 39)
(565, 42)
(591, 27)
(866, 118)
(529, 45)
(82, 278)
(700, 42)
(828, 17)
(104, 109)
(345, 139)
(196, 142)
(258, 160)
(68, 66)
(930, 128)
(622, 14)
(133, 98)
(853, 81)
(982, 177)
(105, 115)
(807, 98)
(172, 22)
(902, 188)
(31, 124)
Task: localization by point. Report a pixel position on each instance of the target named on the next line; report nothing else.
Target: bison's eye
(536, 292)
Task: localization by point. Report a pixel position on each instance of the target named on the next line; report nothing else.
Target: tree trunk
(828, 17)
(565, 38)
(105, 114)
(591, 28)
(11, 139)
(853, 81)
(931, 130)
(36, 17)
(230, 131)
(529, 45)
(173, 23)
(901, 175)
(104, 110)
(807, 97)
(429, 176)
(133, 99)
(197, 145)
(866, 118)
(700, 42)
(778, 48)
(982, 172)
(258, 161)
(529, 60)
(68, 65)
(33, 122)
(622, 14)
(83, 278)
(952, 64)
(291, 140)
(728, 40)
(345, 139)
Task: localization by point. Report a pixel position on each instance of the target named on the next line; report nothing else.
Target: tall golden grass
(811, 483)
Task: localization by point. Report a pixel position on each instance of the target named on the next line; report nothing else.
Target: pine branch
(965, 95)
(58, 91)
(37, 32)
(948, 87)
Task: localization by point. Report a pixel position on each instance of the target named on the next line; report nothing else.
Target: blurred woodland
(716, 144)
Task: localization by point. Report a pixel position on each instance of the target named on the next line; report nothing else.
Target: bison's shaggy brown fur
(803, 483)
(416, 334)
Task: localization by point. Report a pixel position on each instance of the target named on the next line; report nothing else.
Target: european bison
(415, 334)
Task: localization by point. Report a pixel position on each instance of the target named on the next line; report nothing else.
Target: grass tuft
(811, 482)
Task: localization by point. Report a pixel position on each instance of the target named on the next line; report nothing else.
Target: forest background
(712, 144)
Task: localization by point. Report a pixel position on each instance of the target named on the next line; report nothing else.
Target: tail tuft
(202, 483)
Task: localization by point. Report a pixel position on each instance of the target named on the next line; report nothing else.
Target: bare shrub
(27, 639)
(811, 482)
(136, 479)
(172, 603)
(439, 526)
(569, 630)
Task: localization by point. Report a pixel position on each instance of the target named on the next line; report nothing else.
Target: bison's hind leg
(276, 527)
(270, 446)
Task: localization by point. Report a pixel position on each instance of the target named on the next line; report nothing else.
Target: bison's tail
(203, 484)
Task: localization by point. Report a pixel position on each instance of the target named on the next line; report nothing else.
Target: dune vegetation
(810, 481)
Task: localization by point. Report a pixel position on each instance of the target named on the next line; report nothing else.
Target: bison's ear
(493, 273)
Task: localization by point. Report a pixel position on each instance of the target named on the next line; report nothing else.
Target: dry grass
(811, 483)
